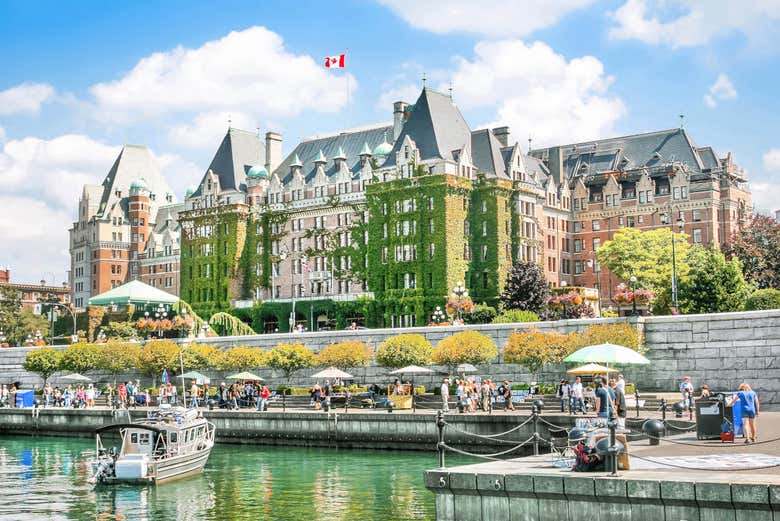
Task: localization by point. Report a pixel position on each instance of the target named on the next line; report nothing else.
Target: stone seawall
(374, 430)
(721, 350)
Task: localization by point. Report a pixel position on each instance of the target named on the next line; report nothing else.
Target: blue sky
(80, 79)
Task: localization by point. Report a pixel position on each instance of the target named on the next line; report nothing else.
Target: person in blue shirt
(750, 408)
(604, 400)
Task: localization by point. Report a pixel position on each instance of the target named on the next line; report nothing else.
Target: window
(684, 192)
(697, 215)
(595, 225)
(577, 267)
(430, 203)
(697, 235)
(431, 250)
(484, 206)
(484, 228)
(641, 197)
(620, 221)
(596, 243)
(576, 204)
(676, 192)
(484, 252)
(577, 226)
(577, 245)
(484, 280)
(640, 219)
(630, 221)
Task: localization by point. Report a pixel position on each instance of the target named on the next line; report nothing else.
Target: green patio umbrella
(245, 375)
(199, 378)
(606, 354)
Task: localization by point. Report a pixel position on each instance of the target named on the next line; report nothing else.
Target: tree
(621, 334)
(534, 349)
(352, 353)
(758, 247)
(289, 358)
(116, 357)
(156, 356)
(120, 331)
(466, 347)
(229, 325)
(242, 358)
(18, 322)
(405, 349)
(766, 298)
(481, 314)
(646, 255)
(44, 362)
(80, 357)
(526, 288)
(201, 356)
(713, 285)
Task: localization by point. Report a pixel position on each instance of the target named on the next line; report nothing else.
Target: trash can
(709, 417)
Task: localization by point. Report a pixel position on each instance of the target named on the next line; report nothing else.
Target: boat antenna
(183, 385)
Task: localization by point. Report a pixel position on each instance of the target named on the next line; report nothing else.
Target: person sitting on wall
(705, 392)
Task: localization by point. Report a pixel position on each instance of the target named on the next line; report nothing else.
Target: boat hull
(169, 469)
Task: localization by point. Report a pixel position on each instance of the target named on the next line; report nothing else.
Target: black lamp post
(563, 300)
(680, 225)
(634, 312)
(438, 316)
(160, 314)
(459, 293)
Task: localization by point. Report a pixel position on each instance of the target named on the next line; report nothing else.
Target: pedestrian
(620, 404)
(604, 403)
(4, 396)
(505, 390)
(578, 396)
(686, 391)
(750, 408)
(47, 394)
(564, 394)
(89, 395)
(705, 392)
(486, 394)
(194, 392)
(621, 383)
(121, 391)
(262, 398)
(445, 395)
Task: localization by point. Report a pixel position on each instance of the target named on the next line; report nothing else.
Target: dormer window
(406, 152)
(118, 193)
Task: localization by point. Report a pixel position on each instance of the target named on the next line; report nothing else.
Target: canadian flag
(335, 62)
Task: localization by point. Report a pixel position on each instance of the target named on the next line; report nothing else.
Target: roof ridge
(352, 130)
(627, 136)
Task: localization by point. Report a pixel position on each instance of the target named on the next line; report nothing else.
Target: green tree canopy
(766, 298)
(201, 356)
(116, 357)
(17, 322)
(713, 285)
(404, 349)
(156, 356)
(758, 248)
(242, 358)
(289, 358)
(120, 331)
(44, 362)
(81, 357)
(647, 255)
(534, 349)
(526, 288)
(345, 354)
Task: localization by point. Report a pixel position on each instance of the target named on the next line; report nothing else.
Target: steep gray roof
(708, 158)
(486, 154)
(134, 162)
(436, 126)
(168, 212)
(351, 142)
(238, 152)
(628, 152)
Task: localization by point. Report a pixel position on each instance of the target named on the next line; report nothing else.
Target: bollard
(440, 445)
(346, 401)
(636, 399)
(535, 415)
(612, 425)
(663, 410)
(414, 403)
(691, 406)
(284, 400)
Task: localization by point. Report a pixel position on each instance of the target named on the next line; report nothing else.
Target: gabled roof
(134, 162)
(628, 152)
(238, 152)
(436, 126)
(134, 291)
(350, 142)
(486, 154)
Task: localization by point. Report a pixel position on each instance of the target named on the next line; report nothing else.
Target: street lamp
(28, 341)
(438, 316)
(38, 336)
(2, 337)
(633, 296)
(204, 329)
(183, 315)
(563, 300)
(101, 337)
(459, 293)
(680, 225)
(160, 314)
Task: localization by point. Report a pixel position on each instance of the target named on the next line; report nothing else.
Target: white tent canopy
(134, 292)
(331, 372)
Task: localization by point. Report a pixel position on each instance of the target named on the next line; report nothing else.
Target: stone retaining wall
(721, 350)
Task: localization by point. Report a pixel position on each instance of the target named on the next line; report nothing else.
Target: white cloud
(493, 18)
(722, 89)
(764, 196)
(207, 128)
(27, 97)
(247, 70)
(687, 23)
(179, 172)
(2, 134)
(537, 91)
(772, 162)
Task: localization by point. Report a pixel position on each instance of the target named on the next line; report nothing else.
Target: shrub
(481, 314)
(352, 353)
(511, 316)
(156, 356)
(763, 299)
(466, 347)
(44, 362)
(242, 358)
(201, 356)
(405, 349)
(620, 334)
(116, 357)
(80, 357)
(289, 358)
(534, 349)
(120, 330)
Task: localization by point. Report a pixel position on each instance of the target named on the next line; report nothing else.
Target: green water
(46, 478)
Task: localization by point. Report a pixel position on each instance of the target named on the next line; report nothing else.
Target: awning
(134, 292)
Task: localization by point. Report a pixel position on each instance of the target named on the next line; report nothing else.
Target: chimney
(273, 151)
(399, 107)
(556, 164)
(502, 135)
(43, 282)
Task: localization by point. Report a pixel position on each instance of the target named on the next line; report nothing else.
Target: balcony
(112, 245)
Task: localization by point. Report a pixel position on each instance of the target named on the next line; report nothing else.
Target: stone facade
(721, 350)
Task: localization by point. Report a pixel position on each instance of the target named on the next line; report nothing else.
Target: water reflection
(47, 478)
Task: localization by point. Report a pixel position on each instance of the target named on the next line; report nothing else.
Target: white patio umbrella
(331, 372)
(76, 377)
(199, 378)
(413, 370)
(606, 354)
(244, 375)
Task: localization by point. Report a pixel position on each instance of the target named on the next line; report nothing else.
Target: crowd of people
(477, 394)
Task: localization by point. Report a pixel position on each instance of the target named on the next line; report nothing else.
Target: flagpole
(346, 53)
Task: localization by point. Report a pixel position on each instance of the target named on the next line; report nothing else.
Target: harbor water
(47, 478)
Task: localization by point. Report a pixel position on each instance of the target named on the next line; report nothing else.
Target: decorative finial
(450, 89)
(682, 121)
(530, 140)
(424, 80)
(230, 121)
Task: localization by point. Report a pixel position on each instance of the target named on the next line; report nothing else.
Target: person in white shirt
(578, 399)
(621, 383)
(686, 390)
(445, 394)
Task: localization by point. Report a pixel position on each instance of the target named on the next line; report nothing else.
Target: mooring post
(636, 399)
(440, 445)
(284, 400)
(535, 415)
(612, 424)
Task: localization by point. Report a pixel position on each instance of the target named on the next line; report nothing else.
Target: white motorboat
(170, 443)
